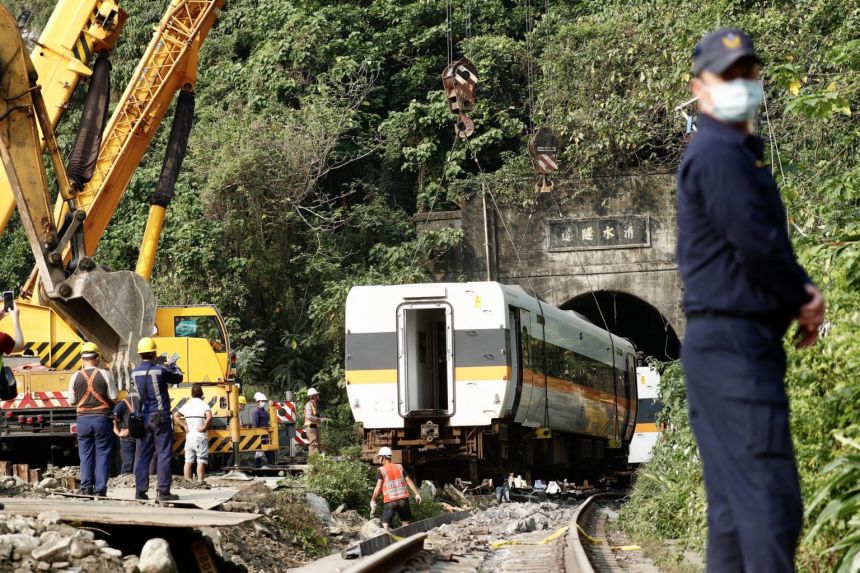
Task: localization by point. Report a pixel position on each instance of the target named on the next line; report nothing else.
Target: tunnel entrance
(632, 318)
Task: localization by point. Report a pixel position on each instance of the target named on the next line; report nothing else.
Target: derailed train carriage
(483, 376)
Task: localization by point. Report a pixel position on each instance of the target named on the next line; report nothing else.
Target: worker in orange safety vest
(393, 481)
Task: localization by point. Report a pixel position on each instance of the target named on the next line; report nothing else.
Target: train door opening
(425, 364)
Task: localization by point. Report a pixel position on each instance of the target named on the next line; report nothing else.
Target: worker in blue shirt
(260, 419)
(151, 381)
(743, 288)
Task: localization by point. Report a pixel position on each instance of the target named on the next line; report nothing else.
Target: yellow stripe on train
(466, 373)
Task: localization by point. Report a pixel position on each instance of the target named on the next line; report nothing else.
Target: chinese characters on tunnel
(599, 233)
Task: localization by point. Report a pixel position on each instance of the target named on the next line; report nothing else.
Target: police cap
(717, 51)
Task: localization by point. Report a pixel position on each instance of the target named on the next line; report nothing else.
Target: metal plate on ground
(192, 498)
(374, 544)
(200, 498)
(120, 513)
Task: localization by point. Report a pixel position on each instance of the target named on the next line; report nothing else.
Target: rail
(576, 559)
(391, 557)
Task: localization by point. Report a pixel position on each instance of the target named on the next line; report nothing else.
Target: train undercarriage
(437, 451)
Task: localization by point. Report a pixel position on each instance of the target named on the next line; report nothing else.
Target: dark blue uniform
(743, 286)
(151, 381)
(128, 445)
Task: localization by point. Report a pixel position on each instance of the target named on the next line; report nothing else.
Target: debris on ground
(257, 494)
(295, 527)
(155, 557)
(349, 522)
(178, 482)
(483, 540)
(453, 497)
(60, 473)
(290, 533)
(500, 522)
(371, 529)
(45, 544)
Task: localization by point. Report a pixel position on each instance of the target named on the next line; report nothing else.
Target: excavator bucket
(113, 309)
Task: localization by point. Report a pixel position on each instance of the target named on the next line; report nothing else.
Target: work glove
(418, 498)
(372, 507)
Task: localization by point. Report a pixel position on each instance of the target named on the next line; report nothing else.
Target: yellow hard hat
(89, 349)
(243, 400)
(146, 345)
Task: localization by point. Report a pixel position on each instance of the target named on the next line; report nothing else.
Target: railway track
(596, 547)
(572, 536)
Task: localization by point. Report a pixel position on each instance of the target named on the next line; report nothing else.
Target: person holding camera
(152, 380)
(14, 343)
(9, 345)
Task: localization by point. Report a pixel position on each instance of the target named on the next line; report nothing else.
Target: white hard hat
(384, 451)
(260, 397)
(312, 392)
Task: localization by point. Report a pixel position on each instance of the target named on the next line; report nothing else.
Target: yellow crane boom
(168, 65)
(75, 32)
(113, 309)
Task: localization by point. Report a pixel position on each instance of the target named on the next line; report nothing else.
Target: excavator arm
(113, 309)
(75, 33)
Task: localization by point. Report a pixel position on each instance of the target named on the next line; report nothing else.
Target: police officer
(93, 392)
(743, 288)
(151, 381)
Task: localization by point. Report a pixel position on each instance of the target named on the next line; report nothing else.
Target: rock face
(155, 557)
(319, 506)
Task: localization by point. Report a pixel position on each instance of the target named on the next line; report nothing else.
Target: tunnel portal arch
(630, 317)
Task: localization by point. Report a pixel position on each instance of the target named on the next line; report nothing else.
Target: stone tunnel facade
(613, 235)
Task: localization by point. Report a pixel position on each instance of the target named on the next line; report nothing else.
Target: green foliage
(321, 129)
(302, 524)
(668, 500)
(837, 502)
(428, 507)
(345, 480)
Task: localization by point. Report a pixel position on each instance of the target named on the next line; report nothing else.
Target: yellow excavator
(68, 297)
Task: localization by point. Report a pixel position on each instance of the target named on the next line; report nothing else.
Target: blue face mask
(737, 100)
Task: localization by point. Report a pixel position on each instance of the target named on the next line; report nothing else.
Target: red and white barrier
(289, 417)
